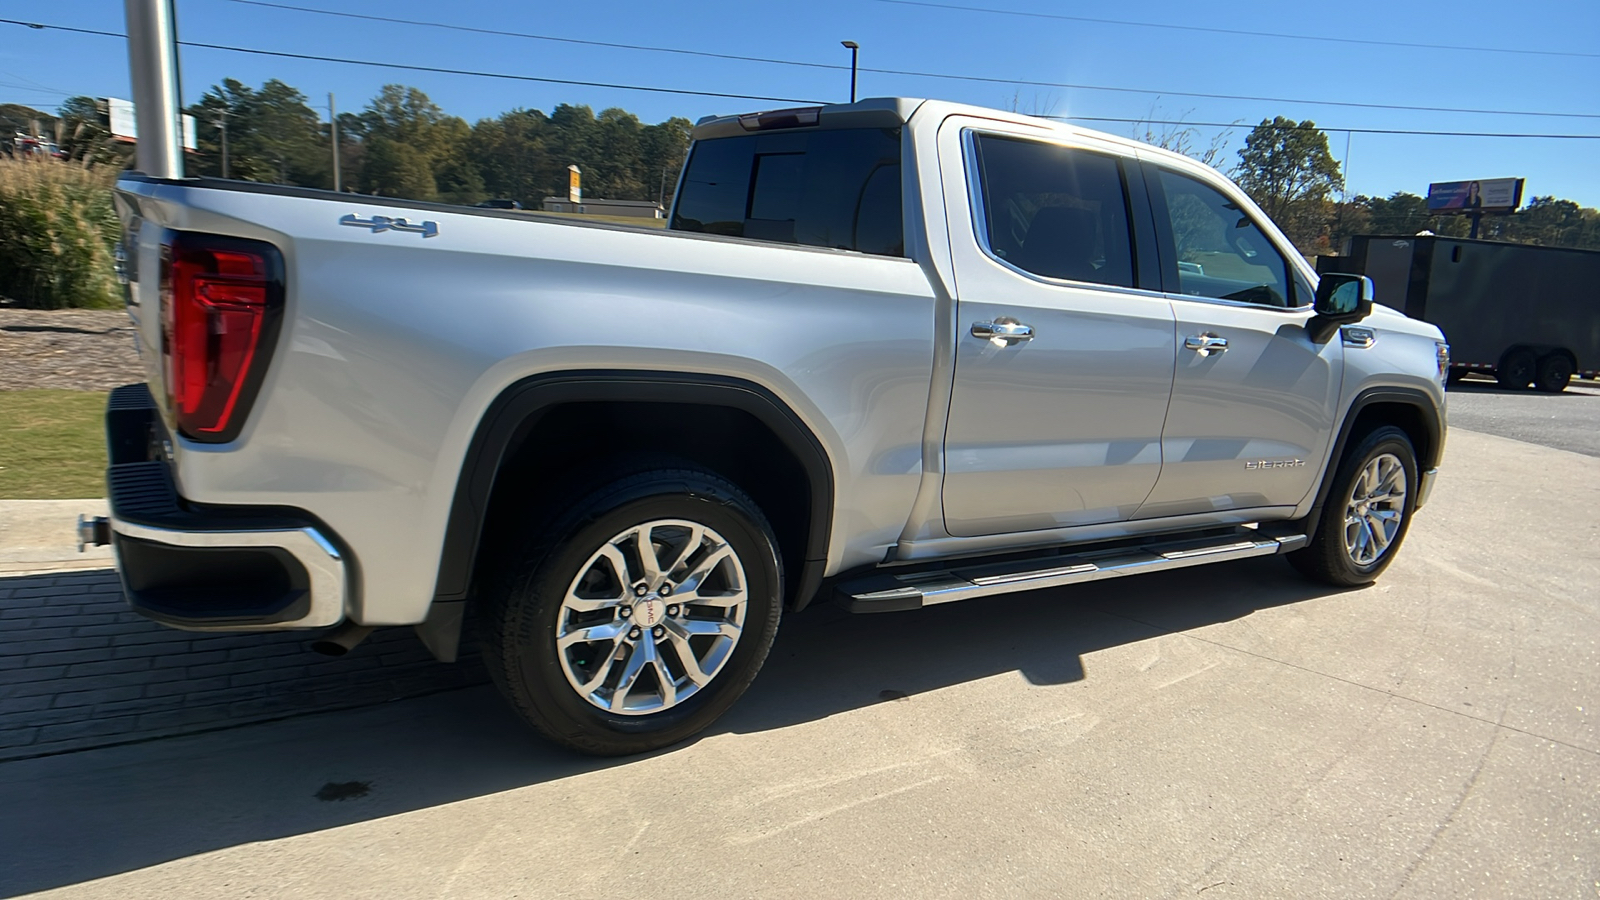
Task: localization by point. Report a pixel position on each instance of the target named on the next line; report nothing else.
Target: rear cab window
(832, 188)
(1054, 211)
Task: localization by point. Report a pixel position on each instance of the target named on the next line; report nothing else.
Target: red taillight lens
(219, 303)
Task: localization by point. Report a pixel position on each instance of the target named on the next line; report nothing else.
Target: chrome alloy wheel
(652, 617)
(1376, 510)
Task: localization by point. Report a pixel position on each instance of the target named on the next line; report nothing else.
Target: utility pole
(222, 128)
(333, 131)
(854, 48)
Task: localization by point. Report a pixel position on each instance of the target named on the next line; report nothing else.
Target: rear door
(1064, 351)
(1254, 399)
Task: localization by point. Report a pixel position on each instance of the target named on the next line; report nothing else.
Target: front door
(1063, 364)
(1254, 399)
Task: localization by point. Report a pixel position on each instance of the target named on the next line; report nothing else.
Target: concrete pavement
(39, 535)
(1229, 730)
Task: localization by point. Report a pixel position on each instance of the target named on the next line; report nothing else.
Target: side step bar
(886, 592)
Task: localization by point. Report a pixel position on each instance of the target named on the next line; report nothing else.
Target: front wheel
(637, 618)
(1367, 513)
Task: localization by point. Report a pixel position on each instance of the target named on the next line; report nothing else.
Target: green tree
(1285, 166)
(395, 169)
(511, 156)
(406, 134)
(272, 135)
(1552, 223)
(664, 148)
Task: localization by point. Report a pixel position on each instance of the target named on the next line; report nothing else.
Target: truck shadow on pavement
(80, 816)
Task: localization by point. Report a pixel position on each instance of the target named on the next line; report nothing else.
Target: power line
(911, 73)
(1298, 127)
(1237, 31)
(416, 68)
(661, 90)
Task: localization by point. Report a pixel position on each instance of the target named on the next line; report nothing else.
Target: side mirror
(1341, 299)
(1342, 296)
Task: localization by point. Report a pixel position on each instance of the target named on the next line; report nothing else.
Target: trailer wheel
(1555, 370)
(1516, 369)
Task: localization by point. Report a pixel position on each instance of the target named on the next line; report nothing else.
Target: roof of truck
(887, 112)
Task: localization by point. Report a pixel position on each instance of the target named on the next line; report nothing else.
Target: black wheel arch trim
(1412, 397)
(518, 409)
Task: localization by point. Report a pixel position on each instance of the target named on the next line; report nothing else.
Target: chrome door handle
(1206, 343)
(1003, 331)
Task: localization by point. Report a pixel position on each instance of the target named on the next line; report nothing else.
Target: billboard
(1481, 196)
(124, 126)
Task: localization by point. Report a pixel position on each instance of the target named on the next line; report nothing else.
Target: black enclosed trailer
(1529, 315)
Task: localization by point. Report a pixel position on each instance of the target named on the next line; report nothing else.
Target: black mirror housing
(1341, 299)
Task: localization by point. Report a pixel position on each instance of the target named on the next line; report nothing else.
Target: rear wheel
(1555, 371)
(1516, 369)
(1367, 513)
(637, 618)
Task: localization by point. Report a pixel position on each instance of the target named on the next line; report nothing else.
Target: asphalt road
(1230, 730)
(1565, 421)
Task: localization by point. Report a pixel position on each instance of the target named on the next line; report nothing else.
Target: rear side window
(838, 189)
(1055, 212)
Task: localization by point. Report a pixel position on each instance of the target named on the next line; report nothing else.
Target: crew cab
(888, 354)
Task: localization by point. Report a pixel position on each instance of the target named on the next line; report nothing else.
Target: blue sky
(41, 67)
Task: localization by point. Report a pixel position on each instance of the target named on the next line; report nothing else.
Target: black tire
(1516, 369)
(1555, 371)
(524, 610)
(1327, 558)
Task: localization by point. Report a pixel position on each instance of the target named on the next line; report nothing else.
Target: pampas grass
(57, 231)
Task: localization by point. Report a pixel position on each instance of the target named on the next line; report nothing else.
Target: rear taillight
(221, 301)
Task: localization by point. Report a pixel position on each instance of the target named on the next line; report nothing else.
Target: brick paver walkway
(78, 669)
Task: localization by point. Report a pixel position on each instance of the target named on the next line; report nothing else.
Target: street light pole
(854, 49)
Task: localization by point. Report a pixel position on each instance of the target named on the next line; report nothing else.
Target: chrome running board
(885, 592)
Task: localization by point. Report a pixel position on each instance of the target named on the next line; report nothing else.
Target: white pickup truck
(888, 354)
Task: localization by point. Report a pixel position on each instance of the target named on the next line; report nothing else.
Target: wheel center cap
(649, 611)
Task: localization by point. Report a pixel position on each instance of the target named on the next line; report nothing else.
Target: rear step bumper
(895, 592)
(207, 568)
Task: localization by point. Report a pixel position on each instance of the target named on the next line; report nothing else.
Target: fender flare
(1432, 421)
(517, 410)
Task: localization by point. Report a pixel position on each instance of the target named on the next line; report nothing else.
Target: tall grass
(57, 231)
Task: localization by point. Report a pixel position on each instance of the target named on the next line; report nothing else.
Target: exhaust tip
(341, 640)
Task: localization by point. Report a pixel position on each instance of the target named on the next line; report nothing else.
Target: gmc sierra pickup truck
(888, 354)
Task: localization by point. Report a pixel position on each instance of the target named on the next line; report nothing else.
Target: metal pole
(153, 65)
(222, 127)
(333, 131)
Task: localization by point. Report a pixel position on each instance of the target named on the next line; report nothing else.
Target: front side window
(838, 189)
(1221, 253)
(1053, 211)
